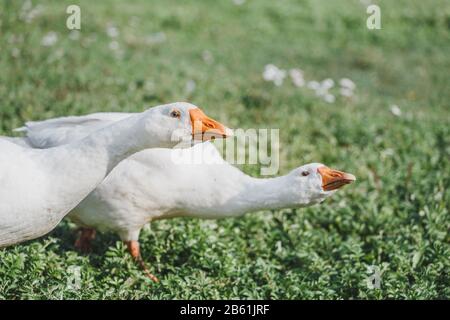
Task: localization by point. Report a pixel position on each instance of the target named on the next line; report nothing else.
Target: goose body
(195, 182)
(163, 183)
(149, 186)
(40, 186)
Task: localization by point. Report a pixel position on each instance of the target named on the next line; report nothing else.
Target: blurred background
(371, 102)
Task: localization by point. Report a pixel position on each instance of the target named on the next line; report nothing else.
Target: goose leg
(133, 248)
(85, 237)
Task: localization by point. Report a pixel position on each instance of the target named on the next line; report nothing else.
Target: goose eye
(175, 114)
(305, 173)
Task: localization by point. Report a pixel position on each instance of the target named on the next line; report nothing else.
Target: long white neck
(266, 194)
(118, 141)
(82, 165)
(251, 194)
(104, 149)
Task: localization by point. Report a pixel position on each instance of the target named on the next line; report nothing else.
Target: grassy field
(134, 54)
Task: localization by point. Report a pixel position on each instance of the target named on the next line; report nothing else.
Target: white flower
(269, 72)
(297, 77)
(28, 13)
(346, 92)
(395, 110)
(112, 31)
(329, 98)
(190, 86)
(49, 39)
(438, 196)
(279, 80)
(322, 89)
(347, 83)
(314, 85)
(327, 84)
(274, 74)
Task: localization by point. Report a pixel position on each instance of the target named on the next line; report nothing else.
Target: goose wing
(59, 131)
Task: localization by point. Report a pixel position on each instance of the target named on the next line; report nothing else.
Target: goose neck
(267, 194)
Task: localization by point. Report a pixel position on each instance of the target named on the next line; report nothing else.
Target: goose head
(182, 122)
(315, 182)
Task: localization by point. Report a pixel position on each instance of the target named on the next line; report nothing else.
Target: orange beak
(334, 179)
(205, 128)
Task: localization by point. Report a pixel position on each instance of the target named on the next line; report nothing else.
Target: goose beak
(334, 179)
(204, 128)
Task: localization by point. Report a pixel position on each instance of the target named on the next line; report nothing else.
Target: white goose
(39, 187)
(149, 185)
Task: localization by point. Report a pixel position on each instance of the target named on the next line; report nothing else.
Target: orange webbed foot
(84, 240)
(134, 249)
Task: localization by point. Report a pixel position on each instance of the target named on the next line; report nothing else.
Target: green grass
(395, 217)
